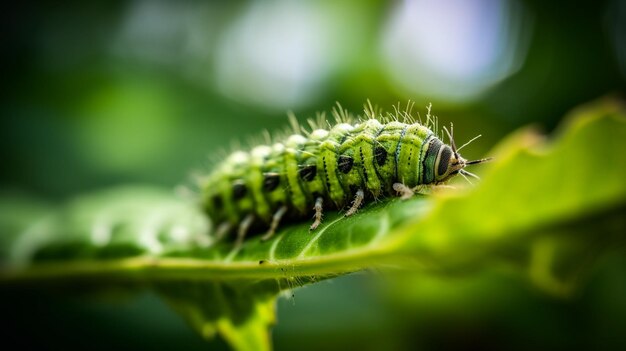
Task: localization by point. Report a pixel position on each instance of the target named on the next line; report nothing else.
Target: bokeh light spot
(453, 49)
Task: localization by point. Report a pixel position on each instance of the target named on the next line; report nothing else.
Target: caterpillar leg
(222, 230)
(275, 220)
(318, 213)
(243, 229)
(358, 200)
(404, 191)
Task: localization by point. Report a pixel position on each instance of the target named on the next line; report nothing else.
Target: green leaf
(242, 314)
(547, 207)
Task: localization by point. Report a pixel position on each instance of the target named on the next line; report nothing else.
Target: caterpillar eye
(443, 162)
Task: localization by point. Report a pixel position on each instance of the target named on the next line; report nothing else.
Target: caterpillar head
(450, 163)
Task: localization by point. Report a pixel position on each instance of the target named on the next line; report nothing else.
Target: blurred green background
(97, 94)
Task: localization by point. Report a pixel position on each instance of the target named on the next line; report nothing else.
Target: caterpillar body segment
(337, 168)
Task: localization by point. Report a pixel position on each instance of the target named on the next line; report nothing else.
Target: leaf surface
(547, 206)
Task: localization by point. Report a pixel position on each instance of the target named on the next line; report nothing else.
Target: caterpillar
(347, 164)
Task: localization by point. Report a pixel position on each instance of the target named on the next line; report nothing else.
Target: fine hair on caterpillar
(338, 166)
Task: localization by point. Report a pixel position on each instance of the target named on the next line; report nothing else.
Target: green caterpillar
(352, 162)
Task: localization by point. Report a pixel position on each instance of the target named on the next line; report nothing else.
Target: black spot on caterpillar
(345, 163)
(307, 173)
(352, 162)
(270, 181)
(239, 190)
(381, 155)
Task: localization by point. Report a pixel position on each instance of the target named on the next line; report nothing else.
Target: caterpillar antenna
(482, 160)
